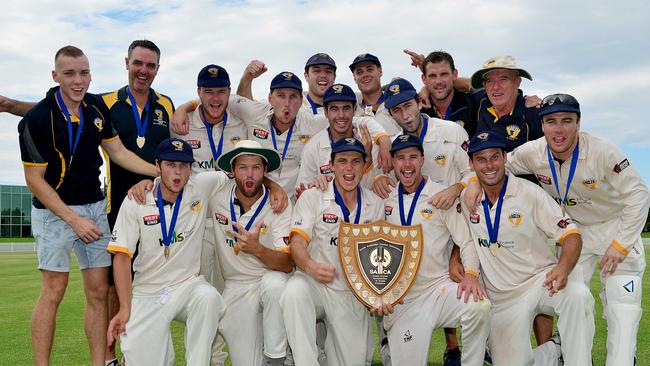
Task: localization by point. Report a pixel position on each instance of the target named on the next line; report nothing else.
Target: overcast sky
(597, 51)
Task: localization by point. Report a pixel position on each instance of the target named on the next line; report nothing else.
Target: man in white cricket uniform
(522, 276)
(167, 232)
(433, 300)
(595, 184)
(254, 259)
(367, 73)
(320, 74)
(318, 291)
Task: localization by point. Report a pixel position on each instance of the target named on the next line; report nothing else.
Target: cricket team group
(224, 214)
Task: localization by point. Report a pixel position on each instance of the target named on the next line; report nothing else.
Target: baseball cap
(559, 103)
(286, 80)
(213, 76)
(405, 141)
(398, 92)
(485, 140)
(348, 144)
(174, 149)
(339, 93)
(249, 147)
(497, 62)
(320, 59)
(364, 57)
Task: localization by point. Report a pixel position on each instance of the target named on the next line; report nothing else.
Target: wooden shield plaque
(380, 260)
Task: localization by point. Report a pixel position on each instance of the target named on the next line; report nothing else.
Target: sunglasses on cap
(564, 99)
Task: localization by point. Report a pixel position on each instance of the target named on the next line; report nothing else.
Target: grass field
(20, 284)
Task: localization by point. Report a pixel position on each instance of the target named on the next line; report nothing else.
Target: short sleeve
(126, 231)
(304, 214)
(34, 142)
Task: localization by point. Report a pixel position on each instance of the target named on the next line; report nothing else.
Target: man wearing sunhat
(522, 276)
(253, 254)
(167, 230)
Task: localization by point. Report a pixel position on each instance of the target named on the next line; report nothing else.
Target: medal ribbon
(493, 231)
(167, 235)
(68, 118)
(400, 194)
(216, 152)
(286, 143)
(572, 170)
(312, 104)
(233, 216)
(140, 125)
(344, 208)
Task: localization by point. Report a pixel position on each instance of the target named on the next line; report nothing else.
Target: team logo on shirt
(426, 213)
(194, 144)
(195, 206)
(99, 123)
(304, 139)
(620, 166)
(562, 224)
(151, 219)
(388, 210)
(513, 131)
(515, 218)
(440, 159)
(159, 120)
(543, 179)
(589, 183)
(325, 169)
(330, 218)
(223, 220)
(261, 133)
(474, 218)
(263, 229)
(235, 139)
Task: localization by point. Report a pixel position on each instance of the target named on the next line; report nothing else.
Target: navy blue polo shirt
(461, 110)
(43, 136)
(161, 110)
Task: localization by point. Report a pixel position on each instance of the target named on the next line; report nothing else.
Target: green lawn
(20, 283)
(16, 240)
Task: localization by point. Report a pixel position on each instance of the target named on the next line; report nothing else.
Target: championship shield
(380, 260)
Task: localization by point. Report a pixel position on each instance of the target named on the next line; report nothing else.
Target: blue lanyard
(377, 102)
(400, 195)
(68, 118)
(425, 127)
(493, 231)
(329, 133)
(286, 143)
(233, 216)
(572, 170)
(141, 126)
(447, 112)
(167, 235)
(215, 152)
(312, 104)
(344, 208)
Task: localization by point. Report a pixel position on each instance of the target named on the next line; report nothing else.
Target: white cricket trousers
(148, 335)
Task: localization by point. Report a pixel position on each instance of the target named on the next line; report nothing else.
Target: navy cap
(213, 76)
(398, 92)
(320, 59)
(559, 103)
(286, 80)
(339, 93)
(364, 57)
(348, 144)
(174, 149)
(402, 142)
(485, 140)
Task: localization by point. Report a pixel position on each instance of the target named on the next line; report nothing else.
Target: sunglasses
(565, 99)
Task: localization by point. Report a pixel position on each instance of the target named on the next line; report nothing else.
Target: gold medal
(166, 252)
(140, 141)
(493, 249)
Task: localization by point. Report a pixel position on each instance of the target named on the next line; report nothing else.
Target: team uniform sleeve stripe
(572, 231)
(301, 232)
(26, 163)
(111, 138)
(119, 249)
(621, 249)
(284, 250)
(376, 138)
(471, 272)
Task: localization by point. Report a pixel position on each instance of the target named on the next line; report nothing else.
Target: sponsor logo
(333, 241)
(459, 208)
(440, 159)
(114, 235)
(176, 238)
(151, 220)
(474, 218)
(407, 336)
(515, 218)
(590, 183)
(222, 219)
(261, 133)
(194, 144)
(297, 223)
(620, 166)
(99, 123)
(513, 131)
(573, 201)
(543, 179)
(330, 218)
(195, 206)
(562, 224)
(388, 210)
(325, 169)
(629, 287)
(206, 164)
(426, 213)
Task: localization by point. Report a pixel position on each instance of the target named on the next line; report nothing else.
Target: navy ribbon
(493, 231)
(312, 104)
(216, 152)
(344, 208)
(233, 216)
(406, 221)
(167, 235)
(572, 170)
(68, 118)
(286, 143)
(139, 123)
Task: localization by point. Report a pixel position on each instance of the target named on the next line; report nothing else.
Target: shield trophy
(380, 260)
